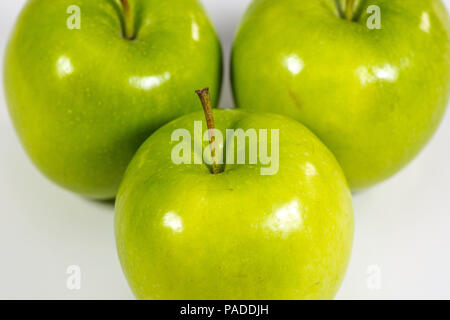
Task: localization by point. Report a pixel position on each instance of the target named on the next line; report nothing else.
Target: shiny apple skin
(184, 233)
(83, 101)
(374, 97)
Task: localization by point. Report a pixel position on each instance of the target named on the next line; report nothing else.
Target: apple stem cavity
(205, 98)
(349, 9)
(128, 20)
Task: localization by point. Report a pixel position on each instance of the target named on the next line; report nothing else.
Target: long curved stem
(205, 98)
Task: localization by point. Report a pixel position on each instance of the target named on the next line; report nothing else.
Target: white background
(402, 225)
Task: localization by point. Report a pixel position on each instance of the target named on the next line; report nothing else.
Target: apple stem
(349, 9)
(205, 98)
(128, 20)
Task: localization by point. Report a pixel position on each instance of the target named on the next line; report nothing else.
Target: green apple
(184, 232)
(88, 81)
(370, 78)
